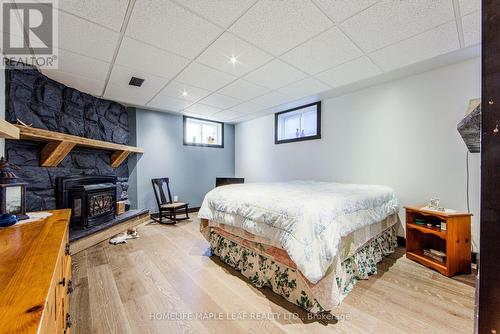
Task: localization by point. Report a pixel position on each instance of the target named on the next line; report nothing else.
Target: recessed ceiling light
(233, 59)
(184, 93)
(136, 82)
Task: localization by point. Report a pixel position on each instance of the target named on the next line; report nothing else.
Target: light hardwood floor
(167, 272)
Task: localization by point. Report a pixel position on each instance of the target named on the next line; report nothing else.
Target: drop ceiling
(284, 50)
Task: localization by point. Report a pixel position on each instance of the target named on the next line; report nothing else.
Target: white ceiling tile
(119, 89)
(272, 99)
(202, 109)
(469, 6)
(350, 72)
(432, 43)
(306, 87)
(83, 84)
(249, 116)
(226, 115)
(204, 77)
(278, 26)
(218, 54)
(86, 38)
(327, 50)
(246, 108)
(176, 89)
(171, 27)
(275, 74)
(222, 12)
(339, 10)
(220, 101)
(390, 21)
(149, 59)
(165, 102)
(200, 116)
(243, 90)
(472, 28)
(81, 66)
(108, 13)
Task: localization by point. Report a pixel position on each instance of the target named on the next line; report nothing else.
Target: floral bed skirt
(263, 270)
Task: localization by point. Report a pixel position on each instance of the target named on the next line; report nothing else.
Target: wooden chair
(167, 208)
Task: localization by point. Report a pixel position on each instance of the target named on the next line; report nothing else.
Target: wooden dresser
(35, 276)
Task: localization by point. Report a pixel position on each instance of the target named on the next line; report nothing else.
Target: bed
(308, 241)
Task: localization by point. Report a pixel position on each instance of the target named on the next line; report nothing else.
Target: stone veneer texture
(47, 104)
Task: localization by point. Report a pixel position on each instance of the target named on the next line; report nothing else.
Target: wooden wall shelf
(58, 145)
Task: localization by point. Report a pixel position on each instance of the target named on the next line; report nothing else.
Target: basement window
(297, 124)
(203, 132)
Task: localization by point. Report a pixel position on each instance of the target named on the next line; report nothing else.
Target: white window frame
(220, 131)
(279, 124)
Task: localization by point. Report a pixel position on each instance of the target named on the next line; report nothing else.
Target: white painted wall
(401, 133)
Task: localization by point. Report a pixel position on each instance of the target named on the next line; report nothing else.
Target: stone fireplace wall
(44, 103)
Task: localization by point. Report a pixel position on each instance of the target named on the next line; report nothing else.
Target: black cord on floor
(467, 178)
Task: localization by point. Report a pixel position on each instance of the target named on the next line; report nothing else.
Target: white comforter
(306, 218)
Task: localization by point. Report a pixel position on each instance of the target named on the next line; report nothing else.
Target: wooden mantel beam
(36, 134)
(8, 130)
(58, 145)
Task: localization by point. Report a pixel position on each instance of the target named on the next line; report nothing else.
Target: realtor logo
(29, 33)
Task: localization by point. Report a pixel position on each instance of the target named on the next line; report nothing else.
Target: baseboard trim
(402, 243)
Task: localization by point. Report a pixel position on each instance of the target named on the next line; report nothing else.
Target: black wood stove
(91, 199)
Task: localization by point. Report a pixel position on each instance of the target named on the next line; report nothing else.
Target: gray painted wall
(402, 134)
(192, 169)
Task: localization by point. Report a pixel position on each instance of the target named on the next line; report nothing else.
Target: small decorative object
(120, 207)
(12, 193)
(7, 220)
(443, 226)
(297, 134)
(434, 205)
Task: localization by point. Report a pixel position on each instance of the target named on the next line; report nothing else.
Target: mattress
(312, 221)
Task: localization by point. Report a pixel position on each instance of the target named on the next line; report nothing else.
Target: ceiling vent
(136, 82)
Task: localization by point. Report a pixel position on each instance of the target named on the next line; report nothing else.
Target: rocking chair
(167, 208)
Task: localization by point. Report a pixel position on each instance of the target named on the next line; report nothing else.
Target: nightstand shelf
(418, 255)
(428, 230)
(455, 241)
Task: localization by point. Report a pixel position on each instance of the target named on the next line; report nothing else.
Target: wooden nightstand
(455, 241)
